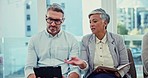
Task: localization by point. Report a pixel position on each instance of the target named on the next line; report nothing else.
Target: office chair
(132, 70)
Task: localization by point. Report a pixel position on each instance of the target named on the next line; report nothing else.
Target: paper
(122, 66)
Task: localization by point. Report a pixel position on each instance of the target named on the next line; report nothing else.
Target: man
(101, 50)
(145, 54)
(52, 46)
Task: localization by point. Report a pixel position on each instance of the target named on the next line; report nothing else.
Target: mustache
(51, 27)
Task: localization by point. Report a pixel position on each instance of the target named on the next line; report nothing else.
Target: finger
(62, 76)
(105, 71)
(72, 58)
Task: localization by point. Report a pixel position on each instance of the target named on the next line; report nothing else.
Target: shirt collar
(49, 35)
(102, 41)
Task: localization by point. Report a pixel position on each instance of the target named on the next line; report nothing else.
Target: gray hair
(104, 15)
(55, 7)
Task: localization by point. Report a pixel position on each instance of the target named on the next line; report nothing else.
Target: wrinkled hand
(31, 76)
(117, 75)
(74, 61)
(73, 75)
(102, 69)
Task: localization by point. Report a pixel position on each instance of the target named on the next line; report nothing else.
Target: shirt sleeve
(74, 52)
(31, 60)
(85, 67)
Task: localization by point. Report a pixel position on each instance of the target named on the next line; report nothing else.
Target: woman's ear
(105, 26)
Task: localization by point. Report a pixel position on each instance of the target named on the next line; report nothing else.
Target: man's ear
(63, 19)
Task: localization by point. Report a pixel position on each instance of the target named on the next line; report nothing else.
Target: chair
(144, 75)
(132, 70)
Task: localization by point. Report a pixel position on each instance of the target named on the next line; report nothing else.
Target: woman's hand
(117, 75)
(31, 76)
(76, 62)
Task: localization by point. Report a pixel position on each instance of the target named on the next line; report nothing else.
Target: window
(132, 25)
(27, 6)
(63, 5)
(28, 31)
(28, 28)
(28, 17)
(64, 27)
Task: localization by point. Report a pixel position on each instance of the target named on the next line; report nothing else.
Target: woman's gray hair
(104, 15)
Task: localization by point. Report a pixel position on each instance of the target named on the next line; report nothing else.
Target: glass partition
(14, 57)
(1, 66)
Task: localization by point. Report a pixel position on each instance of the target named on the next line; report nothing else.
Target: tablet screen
(48, 72)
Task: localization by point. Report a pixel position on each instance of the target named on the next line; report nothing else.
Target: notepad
(112, 69)
(122, 66)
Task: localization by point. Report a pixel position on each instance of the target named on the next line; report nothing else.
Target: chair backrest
(144, 75)
(132, 70)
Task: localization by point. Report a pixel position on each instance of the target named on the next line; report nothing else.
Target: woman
(101, 48)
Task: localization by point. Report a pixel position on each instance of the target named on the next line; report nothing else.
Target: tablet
(48, 71)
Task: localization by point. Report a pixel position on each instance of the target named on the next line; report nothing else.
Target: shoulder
(145, 36)
(112, 37)
(115, 36)
(37, 36)
(88, 36)
(69, 36)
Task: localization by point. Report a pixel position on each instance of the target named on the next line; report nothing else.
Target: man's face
(54, 20)
(97, 25)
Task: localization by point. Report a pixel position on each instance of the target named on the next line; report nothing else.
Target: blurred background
(20, 19)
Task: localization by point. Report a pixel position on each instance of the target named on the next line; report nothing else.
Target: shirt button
(100, 47)
(100, 56)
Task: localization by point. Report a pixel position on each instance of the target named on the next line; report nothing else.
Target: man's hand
(73, 75)
(31, 76)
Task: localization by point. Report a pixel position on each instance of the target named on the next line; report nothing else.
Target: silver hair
(104, 15)
(55, 7)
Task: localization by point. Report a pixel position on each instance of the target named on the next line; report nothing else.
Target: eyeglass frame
(50, 20)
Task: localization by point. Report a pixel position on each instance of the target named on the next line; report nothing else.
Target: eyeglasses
(51, 20)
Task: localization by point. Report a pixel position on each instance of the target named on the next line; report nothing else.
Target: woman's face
(97, 25)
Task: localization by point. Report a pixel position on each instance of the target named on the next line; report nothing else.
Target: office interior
(21, 19)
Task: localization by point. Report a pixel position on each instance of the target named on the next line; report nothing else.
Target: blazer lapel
(92, 50)
(112, 46)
